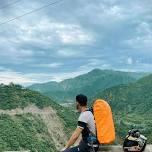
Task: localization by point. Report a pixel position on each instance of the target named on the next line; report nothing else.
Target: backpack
(104, 122)
(134, 141)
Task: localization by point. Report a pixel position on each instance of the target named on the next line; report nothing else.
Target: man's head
(81, 101)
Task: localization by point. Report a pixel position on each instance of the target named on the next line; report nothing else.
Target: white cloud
(115, 12)
(7, 76)
(66, 53)
(74, 35)
(46, 30)
(51, 65)
(2, 68)
(69, 53)
(10, 76)
(142, 40)
(67, 33)
(144, 28)
(12, 53)
(141, 43)
(95, 63)
(127, 69)
(138, 67)
(27, 39)
(129, 61)
(108, 27)
(106, 66)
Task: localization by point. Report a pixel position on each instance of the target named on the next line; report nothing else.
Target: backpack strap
(91, 133)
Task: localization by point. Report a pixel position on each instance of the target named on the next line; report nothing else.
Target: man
(86, 127)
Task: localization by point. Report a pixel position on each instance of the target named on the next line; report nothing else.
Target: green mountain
(89, 84)
(31, 121)
(131, 105)
(24, 132)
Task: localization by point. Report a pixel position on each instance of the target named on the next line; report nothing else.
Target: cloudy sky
(73, 37)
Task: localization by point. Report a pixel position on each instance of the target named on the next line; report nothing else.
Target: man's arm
(74, 137)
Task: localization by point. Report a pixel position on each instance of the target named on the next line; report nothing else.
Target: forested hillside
(88, 83)
(27, 118)
(132, 105)
(24, 132)
(29, 129)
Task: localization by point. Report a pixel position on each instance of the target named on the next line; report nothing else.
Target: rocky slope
(50, 119)
(31, 121)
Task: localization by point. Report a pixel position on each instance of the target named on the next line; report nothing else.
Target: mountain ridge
(88, 83)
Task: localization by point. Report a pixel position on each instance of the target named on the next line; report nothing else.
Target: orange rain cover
(104, 122)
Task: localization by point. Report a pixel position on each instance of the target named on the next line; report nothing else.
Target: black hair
(82, 99)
